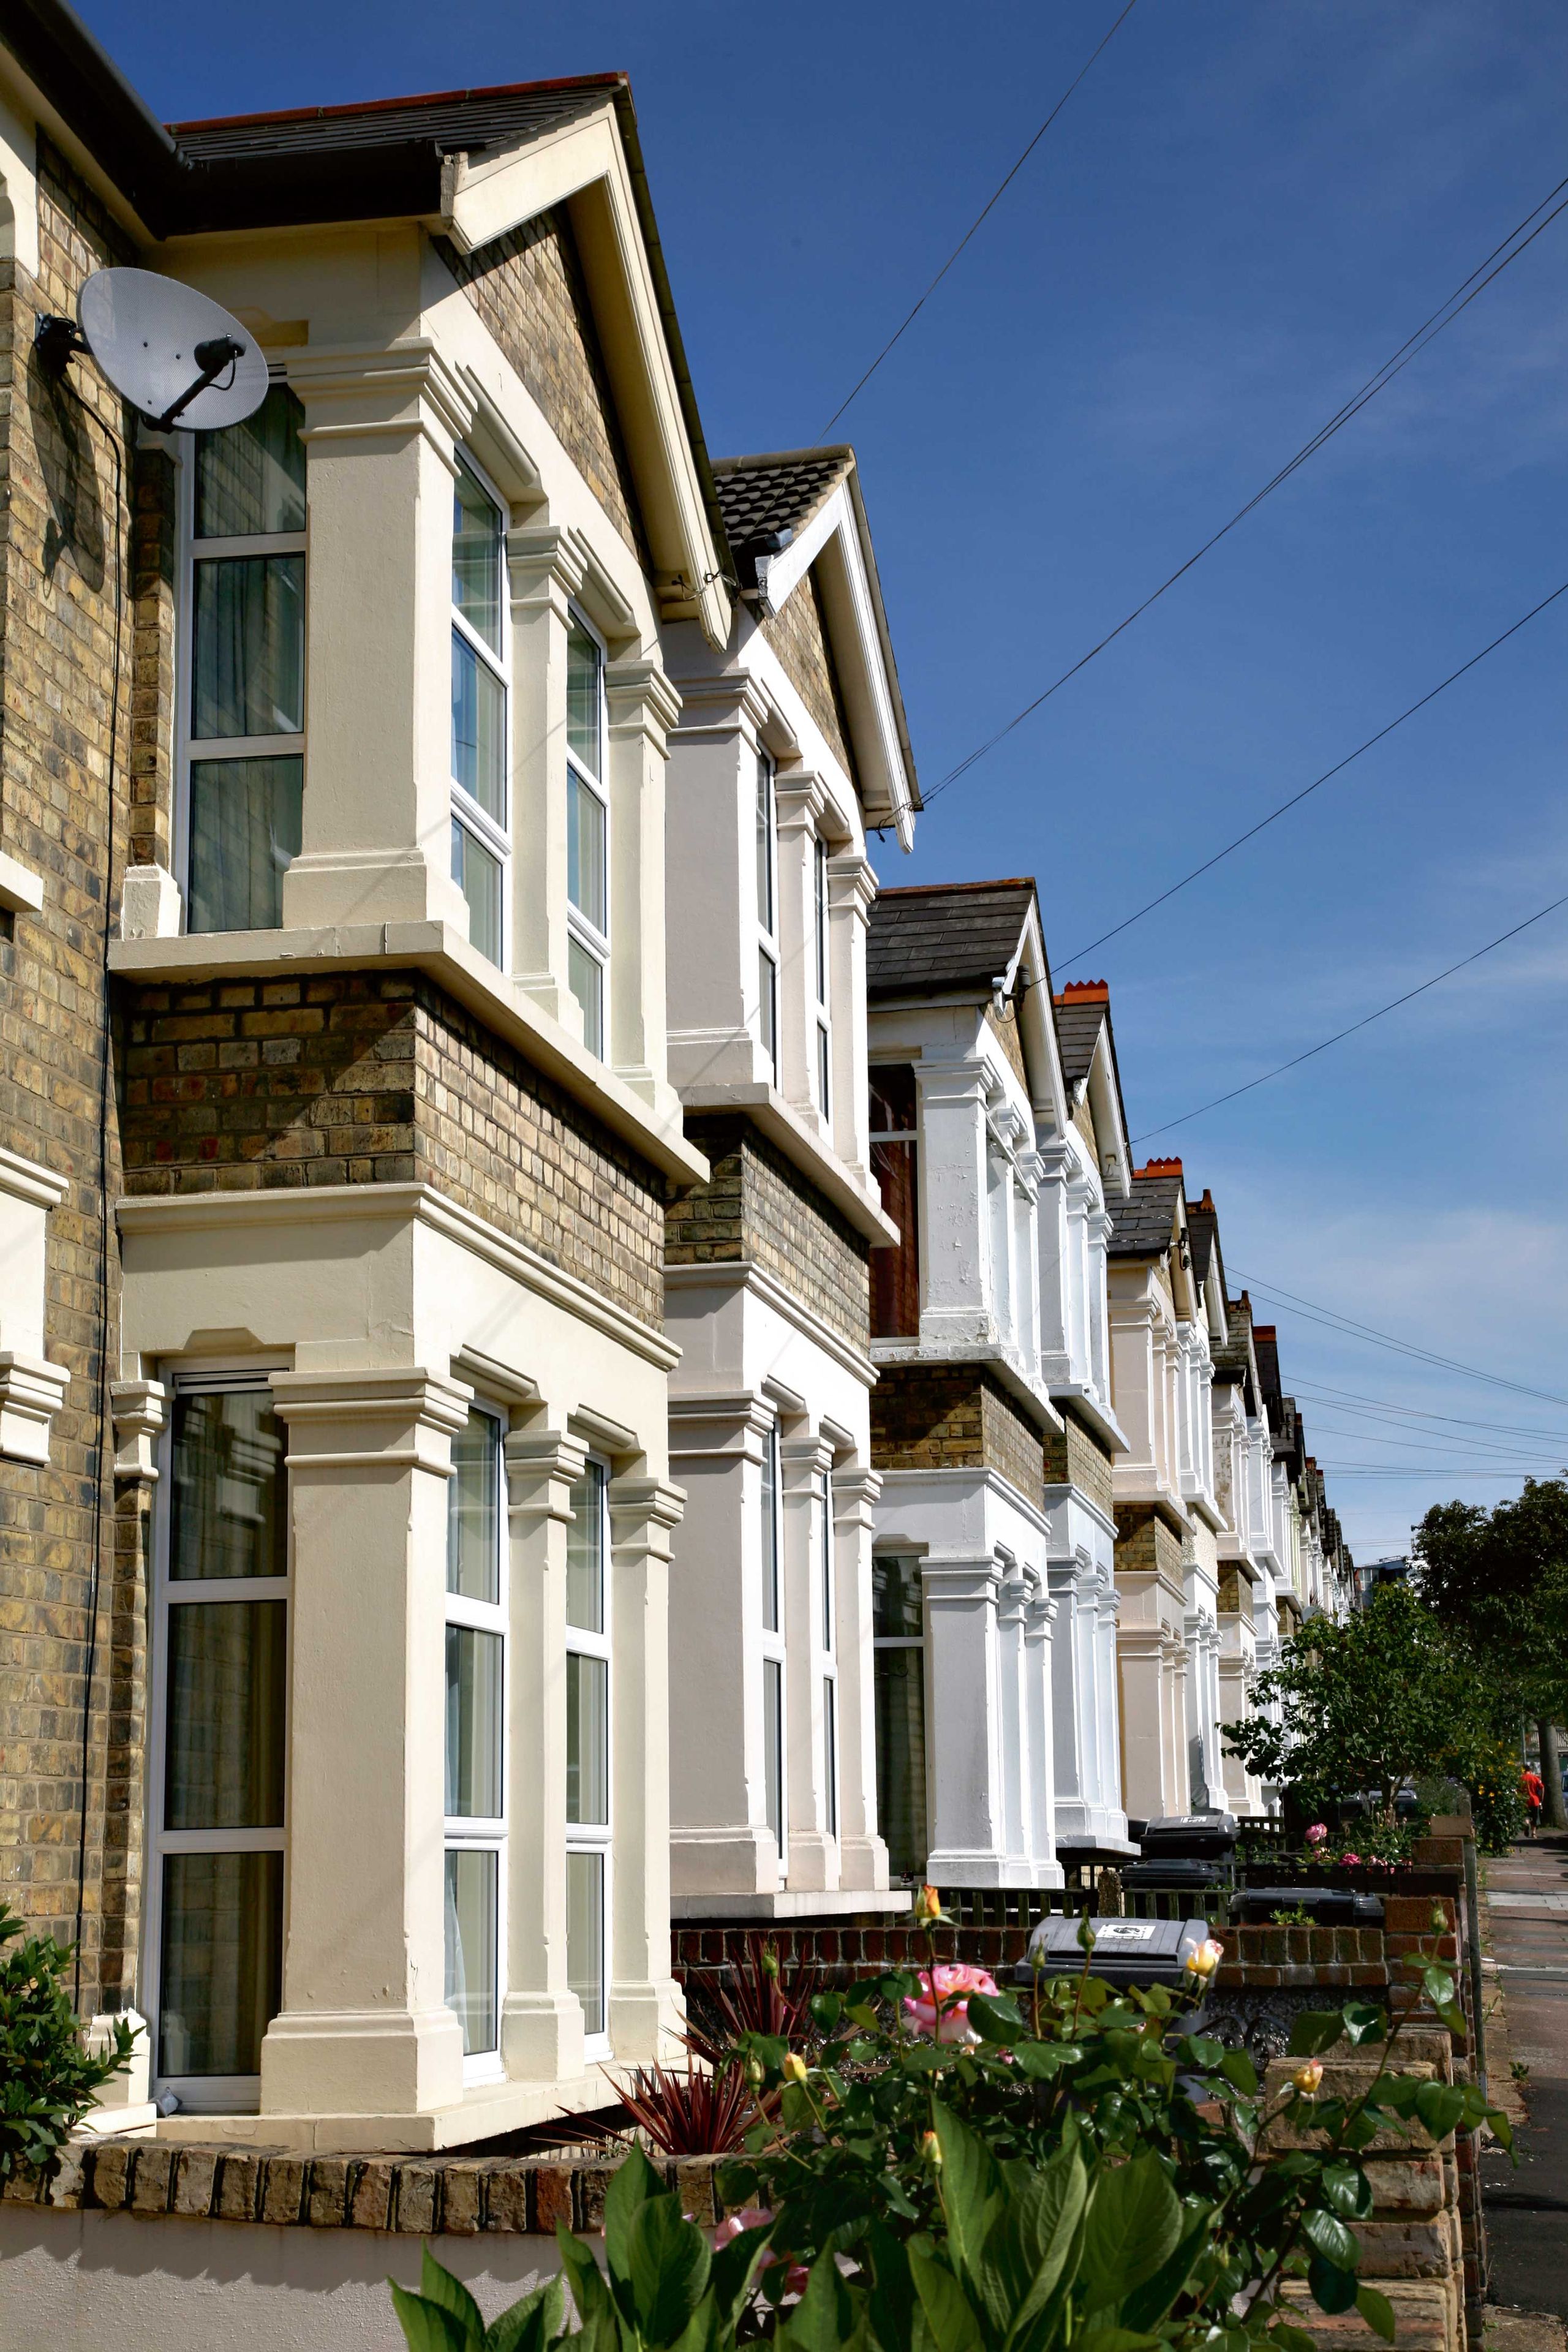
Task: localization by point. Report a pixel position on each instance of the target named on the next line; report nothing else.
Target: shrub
(48, 2080)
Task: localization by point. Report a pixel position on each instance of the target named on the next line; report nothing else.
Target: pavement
(1527, 2204)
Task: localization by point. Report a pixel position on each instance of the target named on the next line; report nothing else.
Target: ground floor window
(899, 1669)
(588, 1808)
(475, 1770)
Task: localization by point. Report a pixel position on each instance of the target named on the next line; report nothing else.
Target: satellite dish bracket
(145, 332)
(56, 342)
(220, 352)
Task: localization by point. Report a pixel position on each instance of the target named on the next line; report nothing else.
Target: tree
(1386, 1697)
(1500, 1579)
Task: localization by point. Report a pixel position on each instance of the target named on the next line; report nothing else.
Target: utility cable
(1364, 1022)
(973, 226)
(1308, 789)
(1318, 1392)
(1313, 1311)
(1479, 278)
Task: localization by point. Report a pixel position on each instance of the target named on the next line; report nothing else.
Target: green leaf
(734, 2271)
(590, 2291)
(1346, 2190)
(995, 2017)
(1315, 2029)
(532, 2324)
(1134, 2223)
(1237, 2068)
(1333, 2289)
(1115, 2339)
(1499, 2127)
(427, 2326)
(1031, 2243)
(1149, 2304)
(667, 2265)
(949, 2316)
(1376, 2310)
(437, 2285)
(1327, 2235)
(969, 2190)
(1294, 2339)
(1205, 2051)
(825, 2317)
(1439, 2107)
(632, 2183)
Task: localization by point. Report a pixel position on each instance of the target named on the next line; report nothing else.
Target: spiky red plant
(755, 2002)
(691, 2114)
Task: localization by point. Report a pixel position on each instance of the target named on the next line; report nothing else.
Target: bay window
(895, 1163)
(587, 831)
(773, 1643)
(220, 1653)
(244, 720)
(480, 839)
(588, 1753)
(474, 1885)
(820, 967)
(898, 1648)
(767, 915)
(830, 1672)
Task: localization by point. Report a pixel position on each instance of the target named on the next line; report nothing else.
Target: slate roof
(452, 120)
(1077, 1034)
(1141, 1225)
(777, 492)
(940, 936)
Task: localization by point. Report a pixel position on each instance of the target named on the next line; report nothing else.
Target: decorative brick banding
(757, 1205)
(1075, 1457)
(950, 1417)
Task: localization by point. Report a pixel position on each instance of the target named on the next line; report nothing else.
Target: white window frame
(593, 943)
(827, 1631)
(822, 973)
(766, 820)
(200, 2094)
(473, 1832)
(190, 748)
(903, 1640)
(466, 814)
(595, 1837)
(771, 1646)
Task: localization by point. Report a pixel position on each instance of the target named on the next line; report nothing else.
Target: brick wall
(758, 1205)
(378, 1077)
(1075, 1457)
(953, 1416)
(527, 288)
(1145, 1543)
(1007, 1036)
(62, 534)
(798, 635)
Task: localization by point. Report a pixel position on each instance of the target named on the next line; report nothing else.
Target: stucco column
(378, 434)
(962, 1767)
(955, 1198)
(813, 1848)
(710, 961)
(542, 2019)
(1107, 1708)
(644, 1999)
(799, 799)
(862, 1855)
(851, 889)
(364, 2028)
(642, 708)
(1072, 1694)
(1016, 1762)
(545, 569)
(1040, 1794)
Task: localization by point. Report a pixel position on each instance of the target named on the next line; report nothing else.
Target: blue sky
(1244, 210)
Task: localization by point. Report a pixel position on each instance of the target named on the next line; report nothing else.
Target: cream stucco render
(389, 1306)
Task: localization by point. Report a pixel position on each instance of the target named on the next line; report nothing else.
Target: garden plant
(47, 2079)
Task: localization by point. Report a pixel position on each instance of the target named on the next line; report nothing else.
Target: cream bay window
(481, 843)
(218, 1764)
(587, 831)
(475, 1879)
(820, 967)
(243, 720)
(773, 1643)
(767, 914)
(588, 1753)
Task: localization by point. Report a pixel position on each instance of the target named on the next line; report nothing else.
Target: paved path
(1527, 2208)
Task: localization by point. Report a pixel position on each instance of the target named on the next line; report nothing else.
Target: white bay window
(587, 831)
(767, 915)
(481, 843)
(475, 1880)
(588, 1753)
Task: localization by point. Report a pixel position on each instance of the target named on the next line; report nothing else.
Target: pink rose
(757, 2217)
(1349, 1858)
(1317, 1834)
(943, 2008)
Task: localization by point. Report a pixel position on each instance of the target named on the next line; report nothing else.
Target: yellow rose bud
(928, 1907)
(795, 2067)
(1206, 1959)
(931, 2151)
(1308, 2077)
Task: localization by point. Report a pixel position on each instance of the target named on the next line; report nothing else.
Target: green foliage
(48, 2080)
(1497, 1803)
(1500, 1578)
(1385, 1697)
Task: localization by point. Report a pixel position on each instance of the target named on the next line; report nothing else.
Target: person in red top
(1533, 1788)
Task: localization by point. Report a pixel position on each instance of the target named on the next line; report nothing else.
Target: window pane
(473, 1510)
(899, 1676)
(771, 1532)
(473, 1723)
(585, 977)
(221, 1981)
(471, 1945)
(249, 646)
(892, 1103)
(228, 1678)
(585, 1553)
(586, 881)
(765, 846)
(583, 718)
(895, 1599)
(896, 1273)
(830, 1752)
(824, 1074)
(587, 1739)
(250, 477)
(825, 1552)
(477, 558)
(245, 835)
(772, 1749)
(586, 1936)
(478, 876)
(768, 1006)
(821, 880)
(479, 729)
(227, 1507)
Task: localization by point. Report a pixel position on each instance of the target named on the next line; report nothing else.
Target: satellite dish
(174, 354)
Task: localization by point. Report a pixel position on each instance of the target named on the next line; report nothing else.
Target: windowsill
(852, 1193)
(1003, 1362)
(1088, 1407)
(21, 890)
(436, 948)
(792, 1903)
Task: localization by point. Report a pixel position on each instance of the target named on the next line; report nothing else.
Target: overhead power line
(1384, 1433)
(1308, 789)
(1365, 1021)
(1313, 1311)
(1319, 1390)
(1347, 1470)
(974, 224)
(1480, 278)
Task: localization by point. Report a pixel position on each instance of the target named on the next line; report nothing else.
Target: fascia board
(1105, 1106)
(1036, 1022)
(583, 166)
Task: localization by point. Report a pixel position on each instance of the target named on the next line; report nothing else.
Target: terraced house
(338, 1130)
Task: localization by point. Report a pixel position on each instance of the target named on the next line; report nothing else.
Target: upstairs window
(895, 1148)
(587, 831)
(820, 971)
(767, 915)
(245, 720)
(480, 842)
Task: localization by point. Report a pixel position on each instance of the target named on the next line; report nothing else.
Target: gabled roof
(777, 492)
(1145, 1223)
(1084, 1029)
(936, 938)
(1237, 1359)
(1202, 1224)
